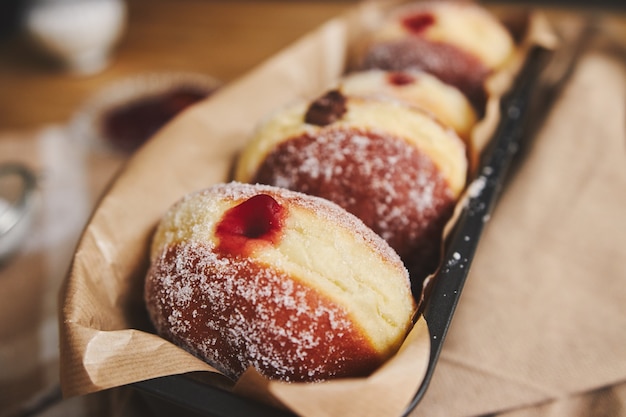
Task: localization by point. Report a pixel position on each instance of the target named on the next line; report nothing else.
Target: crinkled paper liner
(106, 340)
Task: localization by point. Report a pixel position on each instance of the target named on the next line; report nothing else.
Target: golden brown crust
(338, 308)
(460, 43)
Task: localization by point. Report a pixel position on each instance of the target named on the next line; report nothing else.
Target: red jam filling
(418, 23)
(258, 220)
(400, 78)
(129, 126)
(327, 109)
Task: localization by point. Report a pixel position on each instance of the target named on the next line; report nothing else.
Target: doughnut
(245, 275)
(459, 42)
(446, 103)
(393, 166)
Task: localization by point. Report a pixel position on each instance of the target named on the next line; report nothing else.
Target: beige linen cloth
(542, 317)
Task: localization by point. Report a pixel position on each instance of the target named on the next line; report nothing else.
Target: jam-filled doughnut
(392, 165)
(459, 42)
(248, 275)
(446, 103)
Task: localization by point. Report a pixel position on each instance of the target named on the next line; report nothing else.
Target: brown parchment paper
(105, 338)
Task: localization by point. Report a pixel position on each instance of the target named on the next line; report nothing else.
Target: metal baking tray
(200, 399)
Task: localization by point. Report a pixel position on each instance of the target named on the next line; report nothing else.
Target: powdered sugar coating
(236, 312)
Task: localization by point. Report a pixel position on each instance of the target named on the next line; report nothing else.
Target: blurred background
(50, 91)
(159, 35)
(163, 35)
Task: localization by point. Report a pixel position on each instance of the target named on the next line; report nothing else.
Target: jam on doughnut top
(258, 219)
(327, 109)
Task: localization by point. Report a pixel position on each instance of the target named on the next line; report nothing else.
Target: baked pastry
(125, 114)
(417, 88)
(248, 275)
(393, 166)
(128, 126)
(459, 42)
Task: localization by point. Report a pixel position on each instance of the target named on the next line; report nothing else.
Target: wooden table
(221, 38)
(217, 37)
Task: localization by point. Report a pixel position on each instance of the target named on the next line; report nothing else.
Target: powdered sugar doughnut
(393, 166)
(417, 88)
(459, 42)
(293, 285)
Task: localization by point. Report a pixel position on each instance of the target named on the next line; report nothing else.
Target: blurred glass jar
(17, 205)
(123, 115)
(79, 33)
